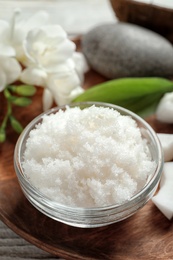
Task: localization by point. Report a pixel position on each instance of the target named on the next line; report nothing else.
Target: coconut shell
(153, 17)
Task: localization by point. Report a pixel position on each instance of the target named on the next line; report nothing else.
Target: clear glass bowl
(98, 216)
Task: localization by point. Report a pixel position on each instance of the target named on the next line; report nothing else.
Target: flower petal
(76, 92)
(66, 99)
(81, 65)
(7, 50)
(11, 68)
(49, 48)
(64, 82)
(33, 76)
(2, 80)
(57, 56)
(64, 87)
(47, 99)
(5, 44)
(21, 28)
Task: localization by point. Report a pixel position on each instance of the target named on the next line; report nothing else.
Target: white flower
(13, 33)
(53, 63)
(10, 70)
(49, 49)
(48, 55)
(64, 86)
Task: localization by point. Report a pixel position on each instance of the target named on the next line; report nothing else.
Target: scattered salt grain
(87, 158)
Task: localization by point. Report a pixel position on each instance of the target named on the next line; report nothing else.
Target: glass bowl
(95, 216)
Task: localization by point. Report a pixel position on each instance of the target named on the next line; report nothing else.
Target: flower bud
(24, 90)
(22, 101)
(16, 125)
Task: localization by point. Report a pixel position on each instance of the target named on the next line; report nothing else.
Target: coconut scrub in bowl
(88, 164)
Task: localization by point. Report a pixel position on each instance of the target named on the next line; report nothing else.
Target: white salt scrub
(87, 158)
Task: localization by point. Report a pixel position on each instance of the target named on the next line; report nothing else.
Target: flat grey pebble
(127, 50)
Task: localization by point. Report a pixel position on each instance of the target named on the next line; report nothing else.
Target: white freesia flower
(49, 49)
(13, 33)
(35, 53)
(49, 57)
(64, 86)
(53, 63)
(10, 70)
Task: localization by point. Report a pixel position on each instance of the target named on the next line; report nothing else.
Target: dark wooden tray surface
(145, 235)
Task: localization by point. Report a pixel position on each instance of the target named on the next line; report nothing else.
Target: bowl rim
(130, 202)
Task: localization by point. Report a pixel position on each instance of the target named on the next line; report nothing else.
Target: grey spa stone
(126, 50)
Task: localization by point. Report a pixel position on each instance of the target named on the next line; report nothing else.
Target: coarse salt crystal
(87, 158)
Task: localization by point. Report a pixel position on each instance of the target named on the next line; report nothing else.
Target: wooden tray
(145, 235)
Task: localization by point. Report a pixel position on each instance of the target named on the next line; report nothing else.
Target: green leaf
(135, 94)
(141, 103)
(23, 90)
(148, 110)
(2, 135)
(16, 125)
(7, 93)
(22, 101)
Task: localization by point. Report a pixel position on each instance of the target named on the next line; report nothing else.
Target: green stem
(9, 110)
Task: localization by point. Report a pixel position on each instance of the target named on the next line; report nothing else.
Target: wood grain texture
(13, 247)
(145, 235)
